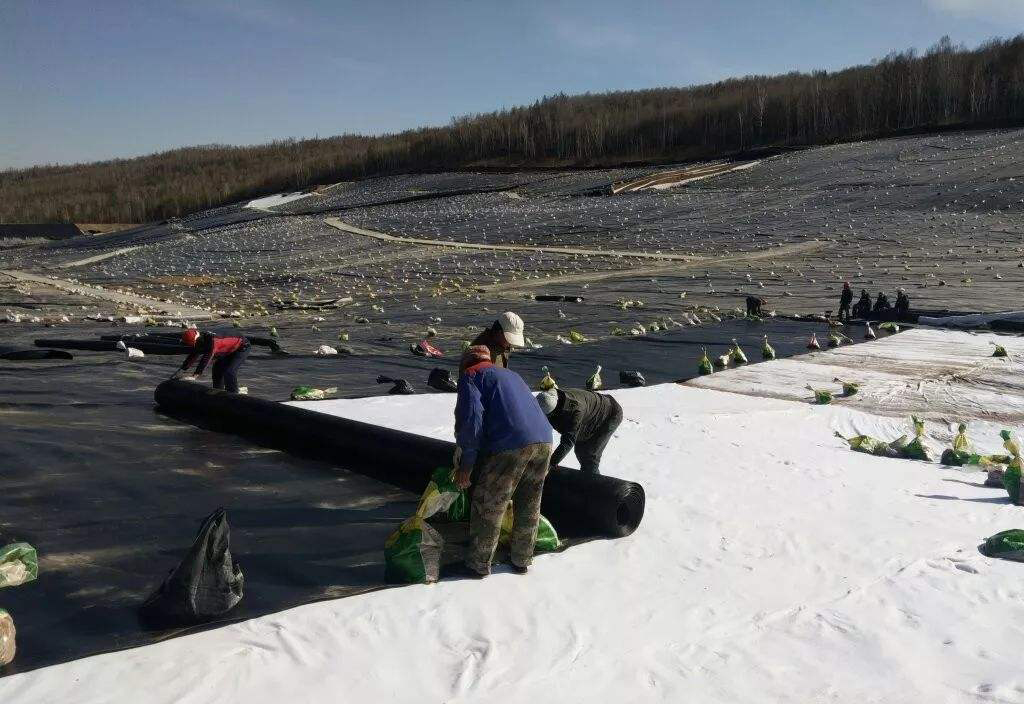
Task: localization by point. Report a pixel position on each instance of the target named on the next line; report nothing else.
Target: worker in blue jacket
(504, 439)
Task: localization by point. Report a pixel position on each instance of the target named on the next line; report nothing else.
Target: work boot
(441, 379)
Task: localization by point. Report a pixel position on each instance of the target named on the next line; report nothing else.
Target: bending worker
(501, 435)
(228, 354)
(585, 420)
(500, 338)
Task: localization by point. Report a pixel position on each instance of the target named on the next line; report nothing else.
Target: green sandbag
(915, 449)
(443, 481)
(821, 396)
(1011, 477)
(547, 538)
(704, 366)
(1007, 545)
(18, 564)
(412, 554)
(1011, 481)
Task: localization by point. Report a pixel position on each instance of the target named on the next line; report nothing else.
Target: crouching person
(505, 440)
(586, 420)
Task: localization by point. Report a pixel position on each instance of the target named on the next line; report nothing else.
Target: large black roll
(576, 503)
(111, 346)
(15, 354)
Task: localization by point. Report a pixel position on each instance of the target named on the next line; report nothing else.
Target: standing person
(845, 299)
(902, 303)
(503, 436)
(500, 338)
(228, 353)
(754, 304)
(585, 420)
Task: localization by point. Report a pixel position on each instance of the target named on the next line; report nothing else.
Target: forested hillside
(946, 86)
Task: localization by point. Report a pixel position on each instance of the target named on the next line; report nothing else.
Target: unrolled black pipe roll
(576, 503)
(111, 346)
(15, 354)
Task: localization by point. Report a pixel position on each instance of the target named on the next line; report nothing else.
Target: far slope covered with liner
(773, 565)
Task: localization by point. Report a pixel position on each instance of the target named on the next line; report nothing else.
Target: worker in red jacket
(228, 353)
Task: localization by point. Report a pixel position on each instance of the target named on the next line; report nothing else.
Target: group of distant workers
(503, 432)
(864, 308)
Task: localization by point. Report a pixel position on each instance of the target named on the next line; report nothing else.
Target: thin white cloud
(994, 10)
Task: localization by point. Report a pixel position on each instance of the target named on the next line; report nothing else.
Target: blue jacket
(496, 412)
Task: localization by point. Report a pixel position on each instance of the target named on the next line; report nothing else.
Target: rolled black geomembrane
(558, 299)
(576, 503)
(111, 346)
(18, 355)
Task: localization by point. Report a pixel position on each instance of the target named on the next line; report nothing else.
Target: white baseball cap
(548, 400)
(512, 327)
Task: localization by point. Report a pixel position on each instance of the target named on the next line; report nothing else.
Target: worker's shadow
(979, 500)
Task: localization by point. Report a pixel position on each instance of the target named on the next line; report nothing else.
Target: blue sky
(81, 81)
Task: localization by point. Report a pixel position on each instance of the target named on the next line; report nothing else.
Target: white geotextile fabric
(940, 374)
(773, 565)
(973, 320)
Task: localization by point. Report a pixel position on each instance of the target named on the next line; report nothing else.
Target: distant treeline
(946, 86)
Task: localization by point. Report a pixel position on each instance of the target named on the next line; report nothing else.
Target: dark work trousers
(225, 369)
(844, 308)
(590, 450)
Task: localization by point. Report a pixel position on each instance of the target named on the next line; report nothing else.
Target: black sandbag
(576, 503)
(206, 584)
(156, 348)
(441, 379)
(632, 378)
(17, 355)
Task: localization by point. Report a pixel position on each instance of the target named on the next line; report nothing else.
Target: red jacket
(208, 346)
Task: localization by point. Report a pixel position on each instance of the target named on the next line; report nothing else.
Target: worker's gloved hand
(462, 478)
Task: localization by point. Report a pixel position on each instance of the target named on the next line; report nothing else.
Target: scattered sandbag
(890, 327)
(441, 379)
(821, 396)
(767, 351)
(401, 386)
(412, 553)
(7, 638)
(325, 351)
(704, 366)
(1012, 474)
(632, 378)
(849, 387)
(995, 478)
(206, 584)
(425, 349)
(594, 381)
(133, 353)
(813, 343)
(1006, 545)
(547, 382)
(999, 351)
(547, 538)
(576, 337)
(736, 354)
(308, 393)
(915, 449)
(869, 334)
(18, 564)
(722, 361)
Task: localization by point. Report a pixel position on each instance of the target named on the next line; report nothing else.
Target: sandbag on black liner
(576, 503)
(206, 584)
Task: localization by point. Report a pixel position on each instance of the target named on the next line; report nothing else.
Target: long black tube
(576, 503)
(111, 346)
(15, 354)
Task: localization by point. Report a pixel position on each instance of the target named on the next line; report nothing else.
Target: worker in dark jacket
(227, 353)
(882, 304)
(845, 299)
(902, 303)
(505, 440)
(863, 308)
(500, 338)
(586, 420)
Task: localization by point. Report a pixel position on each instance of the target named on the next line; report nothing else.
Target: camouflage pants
(517, 475)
